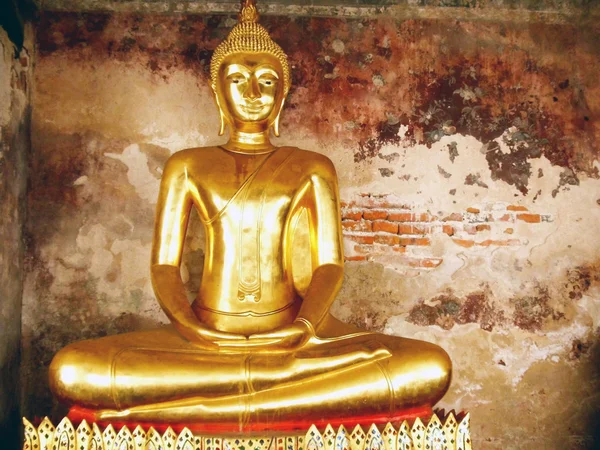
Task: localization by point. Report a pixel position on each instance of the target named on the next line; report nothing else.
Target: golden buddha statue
(258, 343)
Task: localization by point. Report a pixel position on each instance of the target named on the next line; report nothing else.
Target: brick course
(386, 227)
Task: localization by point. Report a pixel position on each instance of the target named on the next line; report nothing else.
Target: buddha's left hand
(288, 337)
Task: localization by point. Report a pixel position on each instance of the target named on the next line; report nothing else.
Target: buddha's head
(250, 76)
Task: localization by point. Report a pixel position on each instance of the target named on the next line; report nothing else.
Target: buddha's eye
(236, 78)
(267, 81)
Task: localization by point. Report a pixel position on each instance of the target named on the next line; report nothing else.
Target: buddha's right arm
(170, 291)
(172, 214)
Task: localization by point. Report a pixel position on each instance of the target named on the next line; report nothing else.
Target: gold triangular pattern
(389, 435)
(418, 434)
(124, 440)
(31, 439)
(450, 431)
(97, 442)
(342, 442)
(357, 438)
(153, 440)
(46, 433)
(329, 438)
(139, 437)
(83, 436)
(434, 435)
(373, 440)
(64, 436)
(313, 439)
(449, 435)
(404, 441)
(463, 434)
(185, 440)
(169, 439)
(108, 437)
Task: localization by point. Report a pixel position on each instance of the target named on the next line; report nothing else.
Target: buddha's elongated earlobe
(221, 115)
(222, 125)
(276, 122)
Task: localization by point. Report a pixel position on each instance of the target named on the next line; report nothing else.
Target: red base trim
(78, 413)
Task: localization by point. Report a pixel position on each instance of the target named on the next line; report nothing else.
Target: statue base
(434, 432)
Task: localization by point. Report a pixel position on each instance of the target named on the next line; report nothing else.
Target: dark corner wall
(16, 48)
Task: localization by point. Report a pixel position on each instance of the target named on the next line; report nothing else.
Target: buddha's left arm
(320, 199)
(323, 208)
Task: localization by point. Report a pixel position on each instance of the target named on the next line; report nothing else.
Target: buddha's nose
(253, 91)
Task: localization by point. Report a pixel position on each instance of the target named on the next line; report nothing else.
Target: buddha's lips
(253, 108)
(78, 414)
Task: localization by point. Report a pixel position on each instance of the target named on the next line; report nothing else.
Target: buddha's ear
(276, 121)
(221, 115)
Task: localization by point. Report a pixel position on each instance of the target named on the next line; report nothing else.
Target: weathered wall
(15, 82)
(468, 160)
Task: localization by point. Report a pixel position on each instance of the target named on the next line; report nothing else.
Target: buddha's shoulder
(193, 155)
(311, 159)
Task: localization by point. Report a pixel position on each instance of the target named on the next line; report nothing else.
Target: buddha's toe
(81, 374)
(419, 373)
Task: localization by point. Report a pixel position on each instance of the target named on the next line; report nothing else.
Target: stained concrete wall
(15, 112)
(467, 152)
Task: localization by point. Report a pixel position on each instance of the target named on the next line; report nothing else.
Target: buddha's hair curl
(249, 36)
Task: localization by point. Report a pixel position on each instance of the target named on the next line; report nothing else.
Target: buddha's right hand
(207, 338)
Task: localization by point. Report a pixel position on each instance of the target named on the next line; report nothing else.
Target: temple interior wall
(467, 153)
(15, 114)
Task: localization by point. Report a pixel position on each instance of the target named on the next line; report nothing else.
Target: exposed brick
(509, 231)
(428, 263)
(470, 229)
(530, 218)
(412, 229)
(409, 217)
(414, 241)
(464, 243)
(399, 249)
(384, 225)
(473, 210)
(448, 229)
(352, 214)
(401, 217)
(356, 258)
(374, 214)
(361, 238)
(365, 249)
(356, 225)
(506, 218)
(497, 243)
(483, 227)
(454, 217)
(516, 208)
(387, 239)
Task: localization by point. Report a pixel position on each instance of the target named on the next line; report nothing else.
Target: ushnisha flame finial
(248, 13)
(248, 36)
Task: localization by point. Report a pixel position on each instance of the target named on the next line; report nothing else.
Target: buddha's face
(250, 90)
